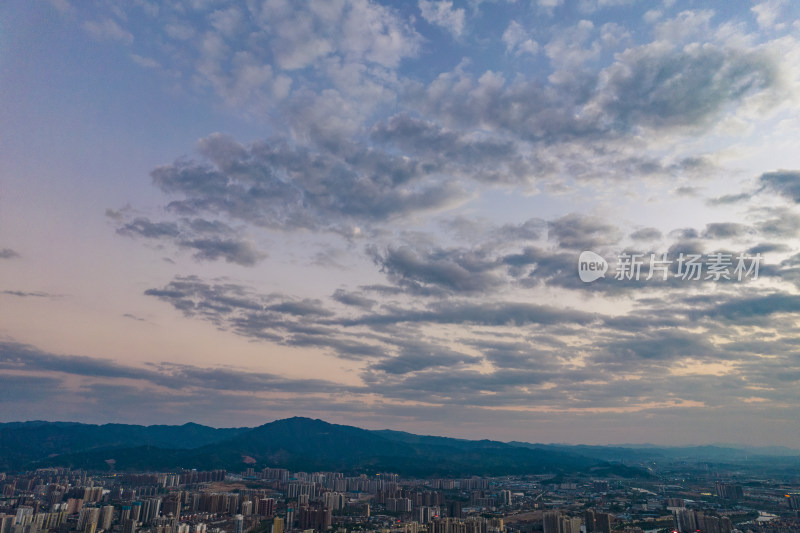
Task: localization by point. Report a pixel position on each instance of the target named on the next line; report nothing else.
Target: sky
(372, 213)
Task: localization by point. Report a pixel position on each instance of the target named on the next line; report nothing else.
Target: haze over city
(372, 212)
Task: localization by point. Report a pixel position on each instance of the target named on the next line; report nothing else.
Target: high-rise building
(427, 513)
(247, 508)
(22, 512)
(333, 500)
(316, 517)
(550, 522)
(729, 492)
(129, 526)
(684, 520)
(87, 520)
(277, 525)
(568, 524)
(136, 511)
(106, 517)
(238, 524)
(603, 523)
(266, 506)
(588, 520)
(6, 523)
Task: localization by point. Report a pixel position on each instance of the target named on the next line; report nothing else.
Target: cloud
(646, 234)
(479, 313)
(416, 356)
(450, 270)
(289, 187)
(779, 222)
(784, 182)
(145, 62)
(32, 377)
(209, 240)
(485, 159)
(8, 253)
(238, 252)
(442, 13)
(730, 199)
(576, 231)
(768, 13)
(353, 299)
(107, 30)
(753, 307)
(30, 294)
(724, 230)
(767, 247)
(659, 87)
(518, 41)
(143, 227)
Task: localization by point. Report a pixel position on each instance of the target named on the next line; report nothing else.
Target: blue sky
(371, 213)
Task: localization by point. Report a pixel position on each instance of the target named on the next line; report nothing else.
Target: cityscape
(687, 493)
(399, 266)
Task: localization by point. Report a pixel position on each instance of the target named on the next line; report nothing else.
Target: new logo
(591, 266)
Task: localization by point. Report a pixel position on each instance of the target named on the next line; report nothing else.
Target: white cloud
(145, 62)
(442, 14)
(107, 30)
(518, 41)
(768, 13)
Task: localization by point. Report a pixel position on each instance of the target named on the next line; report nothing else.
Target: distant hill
(22, 443)
(294, 443)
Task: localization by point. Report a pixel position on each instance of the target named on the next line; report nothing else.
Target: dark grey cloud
(660, 86)
(659, 345)
(30, 294)
(417, 355)
(767, 247)
(684, 233)
(687, 191)
(8, 253)
(209, 240)
(646, 234)
(287, 186)
(22, 357)
(579, 232)
(730, 199)
(25, 358)
(781, 223)
(752, 307)
(353, 299)
(656, 86)
(16, 387)
(300, 308)
(484, 232)
(271, 317)
(455, 270)
(724, 230)
(238, 252)
(784, 182)
(493, 160)
(479, 313)
(143, 227)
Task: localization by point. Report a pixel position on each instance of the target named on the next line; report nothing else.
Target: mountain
(25, 442)
(298, 444)
(768, 460)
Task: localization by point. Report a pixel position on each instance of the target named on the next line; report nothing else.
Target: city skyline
(372, 213)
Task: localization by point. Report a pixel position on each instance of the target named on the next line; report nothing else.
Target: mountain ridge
(296, 443)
